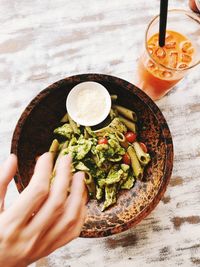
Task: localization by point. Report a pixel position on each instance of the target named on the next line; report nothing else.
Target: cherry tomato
(103, 140)
(126, 159)
(143, 146)
(130, 137)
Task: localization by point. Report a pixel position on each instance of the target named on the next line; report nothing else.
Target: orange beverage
(160, 68)
(176, 54)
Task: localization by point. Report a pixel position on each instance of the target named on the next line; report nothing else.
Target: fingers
(55, 204)
(62, 179)
(34, 194)
(50, 242)
(59, 239)
(76, 198)
(7, 171)
(73, 213)
(74, 205)
(60, 216)
(61, 234)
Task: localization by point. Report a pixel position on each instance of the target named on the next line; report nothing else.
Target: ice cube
(151, 47)
(170, 45)
(160, 52)
(183, 66)
(155, 40)
(173, 59)
(151, 65)
(166, 74)
(185, 46)
(150, 50)
(186, 58)
(190, 50)
(157, 73)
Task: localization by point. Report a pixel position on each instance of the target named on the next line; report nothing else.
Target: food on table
(111, 157)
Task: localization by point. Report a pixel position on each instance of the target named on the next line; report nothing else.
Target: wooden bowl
(34, 133)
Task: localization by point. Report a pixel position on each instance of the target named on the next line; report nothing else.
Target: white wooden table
(44, 41)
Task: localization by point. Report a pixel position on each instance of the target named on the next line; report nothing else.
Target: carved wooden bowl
(34, 133)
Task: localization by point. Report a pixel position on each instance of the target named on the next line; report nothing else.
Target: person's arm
(43, 218)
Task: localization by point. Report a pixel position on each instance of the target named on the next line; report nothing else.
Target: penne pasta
(74, 125)
(64, 118)
(54, 147)
(137, 169)
(129, 124)
(112, 114)
(86, 134)
(125, 112)
(115, 125)
(113, 97)
(90, 184)
(143, 157)
(120, 136)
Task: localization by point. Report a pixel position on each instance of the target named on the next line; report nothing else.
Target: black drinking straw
(163, 21)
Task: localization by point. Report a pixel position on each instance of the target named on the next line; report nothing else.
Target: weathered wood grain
(44, 41)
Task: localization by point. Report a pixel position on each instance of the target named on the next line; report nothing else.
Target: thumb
(7, 171)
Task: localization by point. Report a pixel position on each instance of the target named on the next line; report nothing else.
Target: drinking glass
(157, 77)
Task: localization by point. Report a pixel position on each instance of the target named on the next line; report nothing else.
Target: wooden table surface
(44, 41)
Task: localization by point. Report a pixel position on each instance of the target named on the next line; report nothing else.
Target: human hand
(42, 219)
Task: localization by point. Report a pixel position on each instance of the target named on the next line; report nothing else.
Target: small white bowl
(88, 103)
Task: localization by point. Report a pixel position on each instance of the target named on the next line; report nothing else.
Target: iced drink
(159, 73)
(160, 68)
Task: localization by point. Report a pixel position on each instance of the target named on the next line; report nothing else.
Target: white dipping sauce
(88, 103)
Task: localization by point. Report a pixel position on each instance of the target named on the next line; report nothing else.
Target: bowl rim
(169, 155)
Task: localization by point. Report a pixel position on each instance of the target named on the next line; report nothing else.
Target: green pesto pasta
(112, 114)
(74, 125)
(114, 97)
(120, 136)
(115, 125)
(125, 112)
(137, 168)
(143, 157)
(89, 181)
(65, 118)
(102, 154)
(129, 124)
(54, 146)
